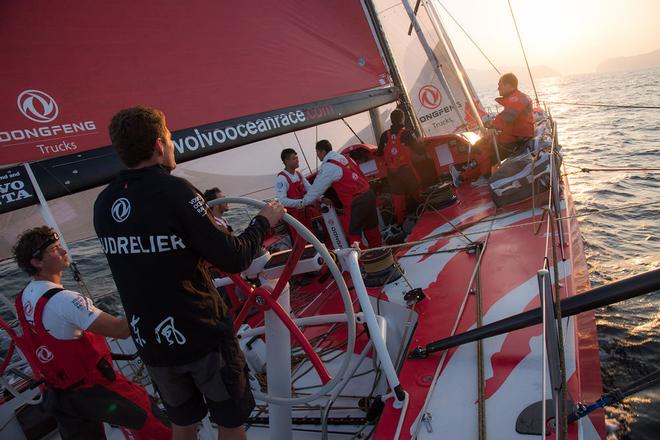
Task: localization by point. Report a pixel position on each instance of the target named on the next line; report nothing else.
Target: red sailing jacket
(352, 182)
(62, 363)
(396, 153)
(517, 119)
(297, 191)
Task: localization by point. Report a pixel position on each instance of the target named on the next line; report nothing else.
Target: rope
(303, 151)
(470, 38)
(427, 203)
(449, 235)
(560, 330)
(523, 51)
(588, 170)
(481, 380)
(580, 104)
(352, 131)
(617, 395)
(459, 316)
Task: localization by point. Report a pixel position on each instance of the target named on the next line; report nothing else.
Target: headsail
(432, 92)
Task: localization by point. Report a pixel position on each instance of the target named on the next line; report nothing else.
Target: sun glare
(548, 28)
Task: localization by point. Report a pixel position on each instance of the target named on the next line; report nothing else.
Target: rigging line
(257, 191)
(560, 329)
(523, 51)
(588, 170)
(352, 131)
(553, 170)
(481, 380)
(418, 420)
(303, 151)
(470, 38)
(519, 225)
(427, 205)
(585, 104)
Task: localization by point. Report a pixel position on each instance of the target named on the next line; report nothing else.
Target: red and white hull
(445, 385)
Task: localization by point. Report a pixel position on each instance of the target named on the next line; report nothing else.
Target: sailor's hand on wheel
(273, 211)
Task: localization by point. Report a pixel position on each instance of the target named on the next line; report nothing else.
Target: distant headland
(636, 62)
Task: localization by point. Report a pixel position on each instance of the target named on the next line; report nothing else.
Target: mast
(394, 71)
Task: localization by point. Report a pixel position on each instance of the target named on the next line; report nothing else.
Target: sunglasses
(50, 240)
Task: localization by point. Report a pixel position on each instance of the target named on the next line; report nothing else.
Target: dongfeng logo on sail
(40, 107)
(430, 97)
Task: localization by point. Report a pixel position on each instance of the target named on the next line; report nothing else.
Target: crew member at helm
(359, 201)
(63, 338)
(514, 125)
(151, 222)
(397, 145)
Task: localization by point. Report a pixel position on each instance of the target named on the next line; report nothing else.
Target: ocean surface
(619, 244)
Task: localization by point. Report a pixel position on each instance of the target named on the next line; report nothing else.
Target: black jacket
(157, 232)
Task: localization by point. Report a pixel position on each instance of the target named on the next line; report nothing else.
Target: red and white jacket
(343, 174)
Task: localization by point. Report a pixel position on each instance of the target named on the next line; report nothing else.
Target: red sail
(67, 68)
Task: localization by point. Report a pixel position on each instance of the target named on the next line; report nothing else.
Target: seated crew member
(514, 125)
(397, 145)
(153, 223)
(352, 188)
(218, 211)
(83, 389)
(291, 187)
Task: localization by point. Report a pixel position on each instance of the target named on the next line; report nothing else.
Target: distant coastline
(636, 62)
(481, 78)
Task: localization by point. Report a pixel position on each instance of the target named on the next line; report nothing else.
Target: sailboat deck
(446, 269)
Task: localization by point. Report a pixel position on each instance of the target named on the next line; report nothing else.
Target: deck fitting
(418, 353)
(414, 296)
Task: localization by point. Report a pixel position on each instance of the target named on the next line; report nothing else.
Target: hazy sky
(571, 36)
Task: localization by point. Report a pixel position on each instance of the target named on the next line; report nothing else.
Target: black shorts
(216, 383)
(364, 214)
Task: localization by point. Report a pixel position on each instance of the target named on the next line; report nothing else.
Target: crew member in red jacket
(514, 125)
(63, 338)
(291, 187)
(352, 188)
(398, 145)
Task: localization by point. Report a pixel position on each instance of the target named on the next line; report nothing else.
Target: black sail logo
(121, 209)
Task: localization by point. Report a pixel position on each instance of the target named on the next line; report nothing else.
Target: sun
(548, 28)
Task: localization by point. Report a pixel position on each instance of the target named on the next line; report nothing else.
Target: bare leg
(232, 433)
(184, 432)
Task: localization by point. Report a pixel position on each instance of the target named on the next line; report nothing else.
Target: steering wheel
(267, 299)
